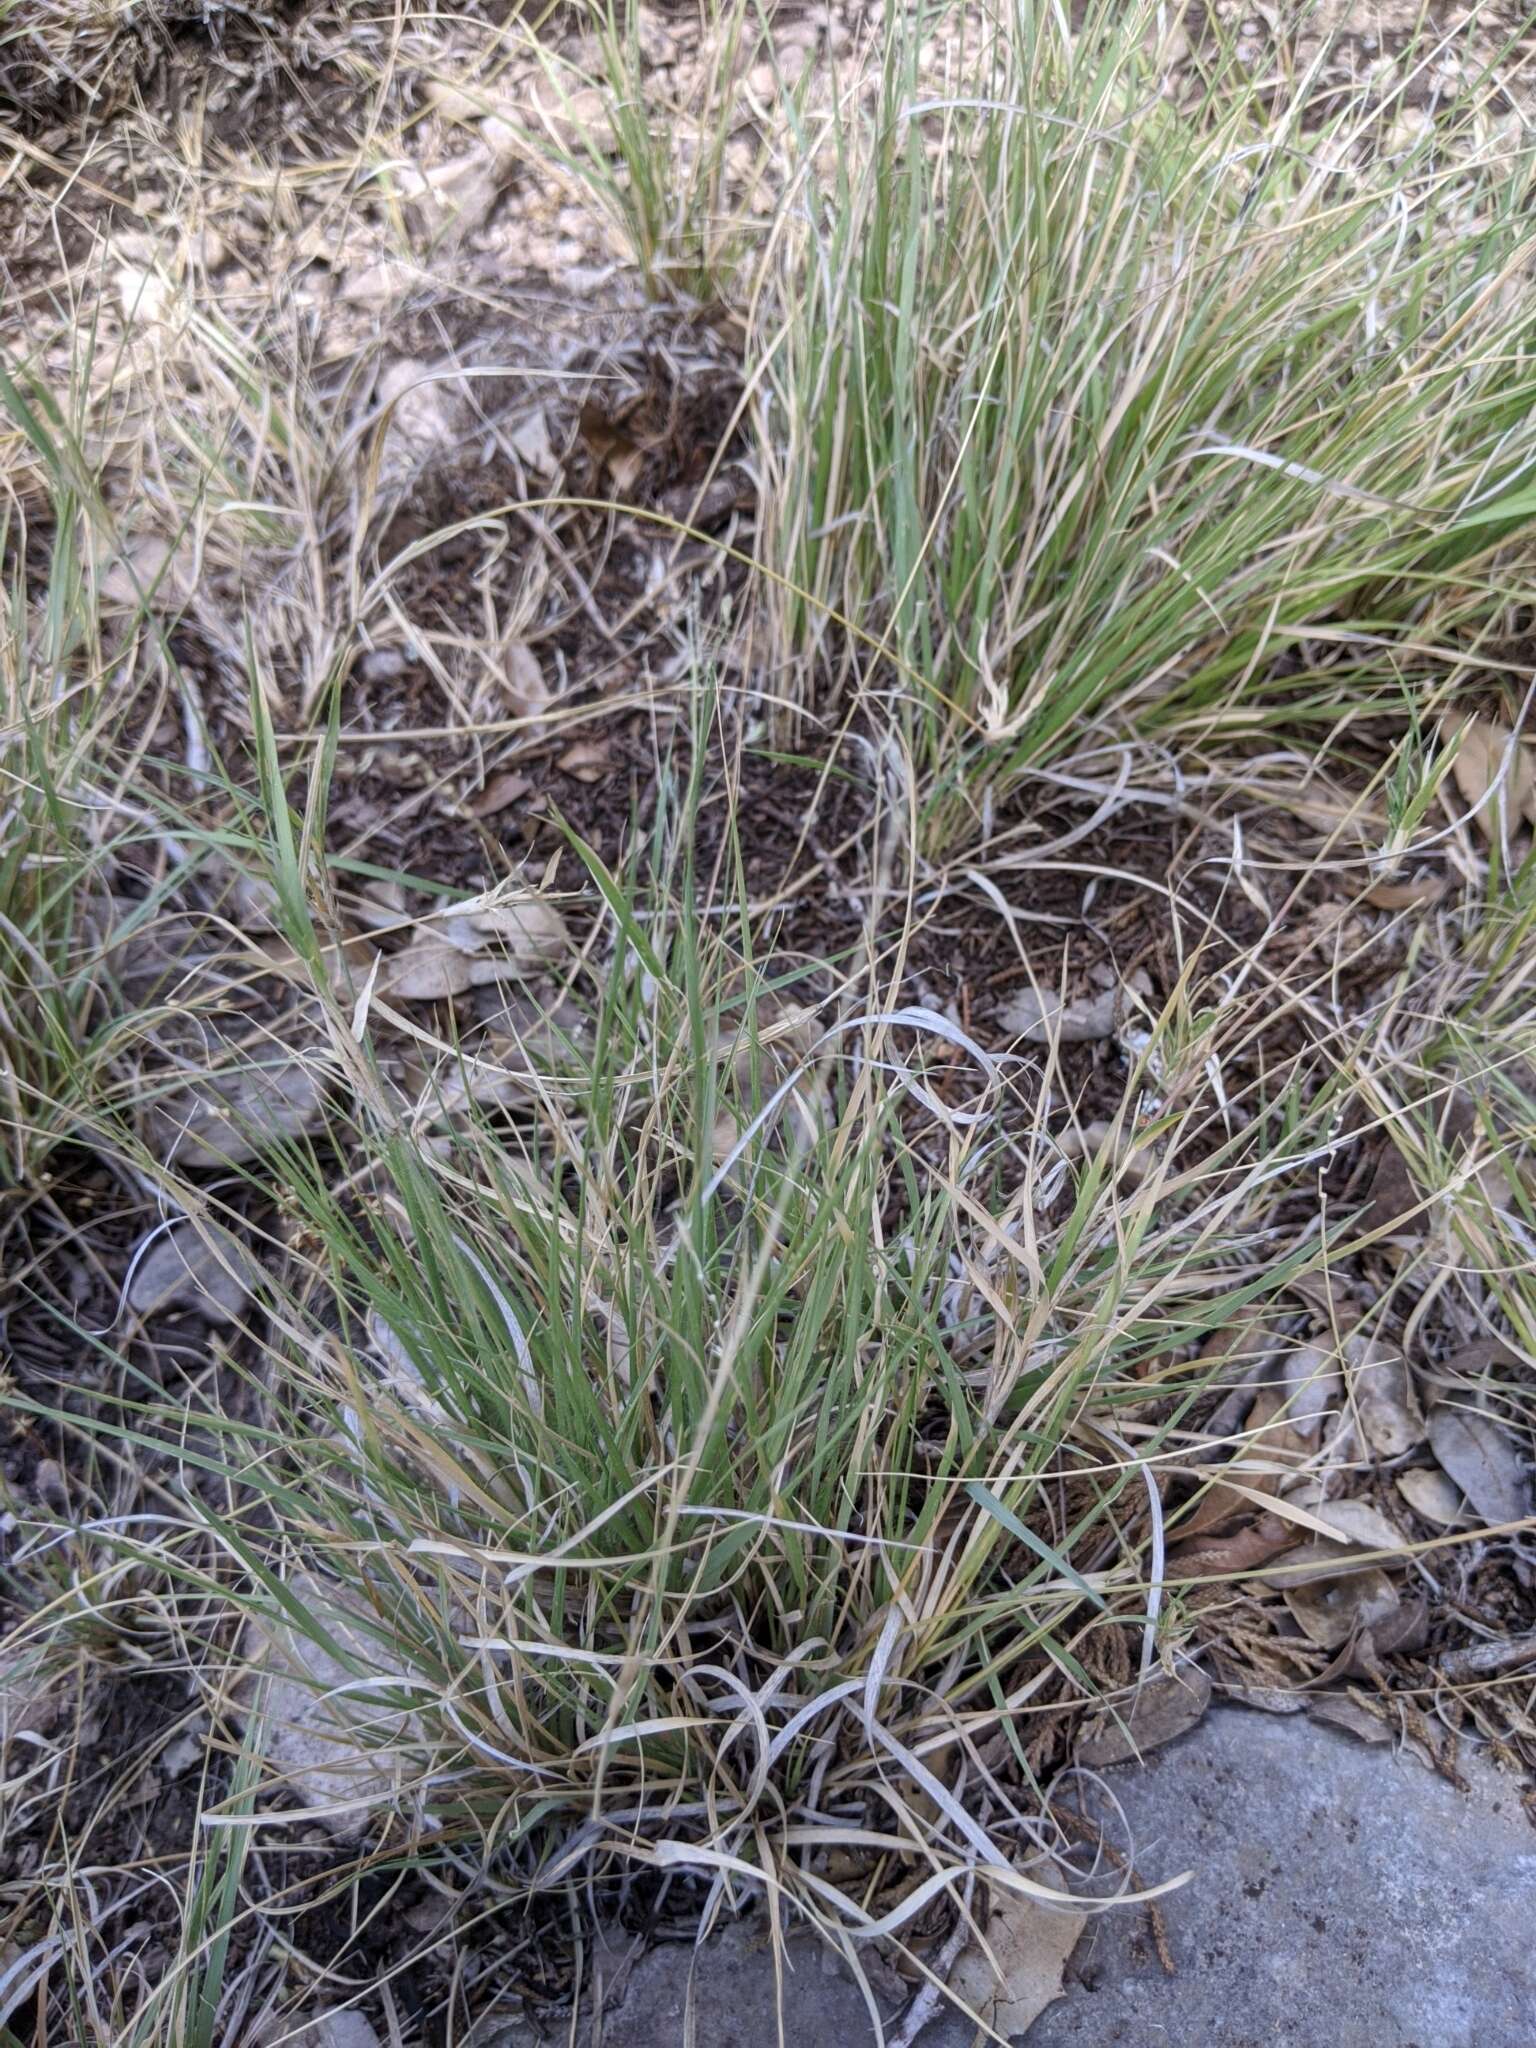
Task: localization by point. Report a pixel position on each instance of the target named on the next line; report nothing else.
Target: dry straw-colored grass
(58, 54)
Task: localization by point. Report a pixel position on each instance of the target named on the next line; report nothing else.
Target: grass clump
(764, 1412)
(1107, 414)
(68, 823)
(665, 177)
(717, 1406)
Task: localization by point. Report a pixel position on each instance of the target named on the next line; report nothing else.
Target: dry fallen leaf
(588, 761)
(1330, 1299)
(474, 943)
(780, 1042)
(1362, 1529)
(532, 444)
(1394, 1198)
(1474, 1358)
(1416, 893)
(150, 571)
(1040, 1016)
(1268, 1463)
(499, 794)
(1116, 1143)
(1244, 1550)
(1218, 1506)
(1395, 1203)
(1338, 1710)
(225, 1118)
(777, 1049)
(422, 415)
(430, 967)
(1272, 1441)
(1486, 751)
(335, 2029)
(527, 692)
(616, 452)
(1358, 1522)
(1383, 1396)
(1405, 1628)
(1165, 1707)
(205, 1270)
(1430, 1494)
(506, 1065)
(1312, 1384)
(1031, 1942)
(1330, 1611)
(347, 962)
(1479, 1454)
(703, 507)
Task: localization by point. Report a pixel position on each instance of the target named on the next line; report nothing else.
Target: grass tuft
(1112, 419)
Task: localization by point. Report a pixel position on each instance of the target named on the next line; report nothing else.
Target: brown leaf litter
(1165, 1706)
(1012, 1969)
(1476, 1452)
(481, 940)
(1383, 1397)
(1495, 772)
(229, 1113)
(1309, 1423)
(201, 1267)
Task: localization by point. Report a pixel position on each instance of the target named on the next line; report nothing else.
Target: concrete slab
(1342, 1898)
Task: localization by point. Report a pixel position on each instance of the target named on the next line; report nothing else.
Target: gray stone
(1342, 1897)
